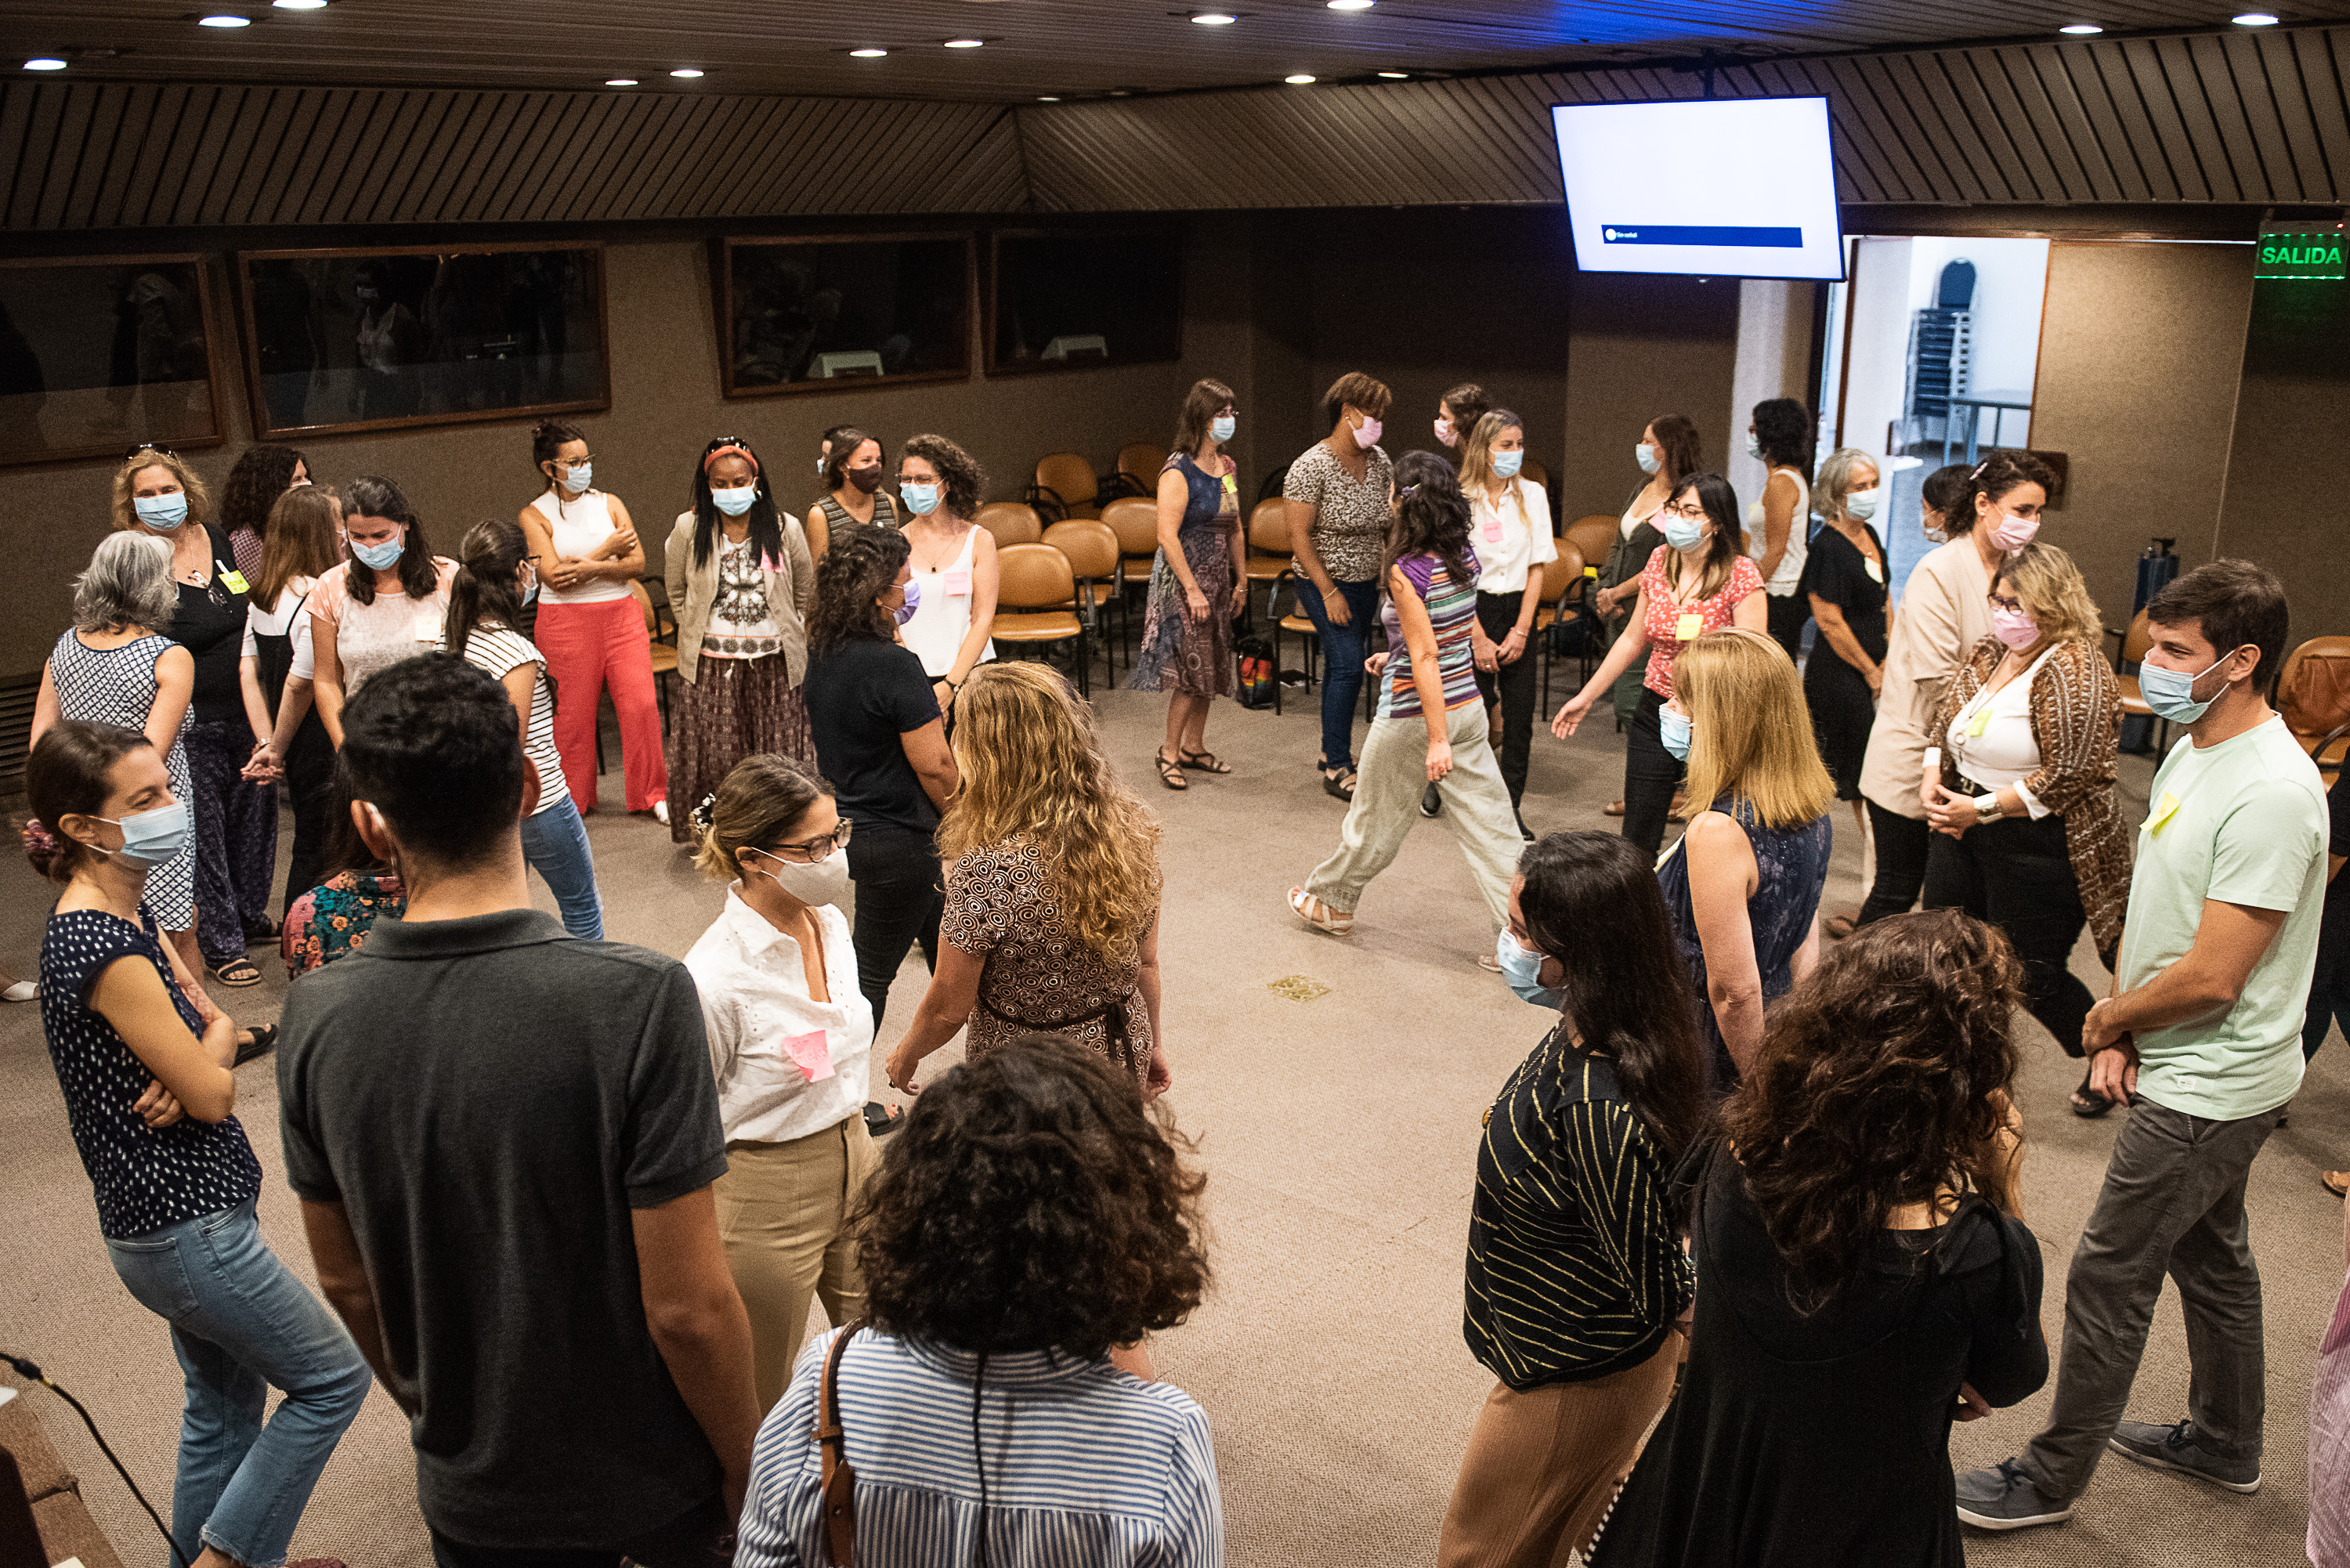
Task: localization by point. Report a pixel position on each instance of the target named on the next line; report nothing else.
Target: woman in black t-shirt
(1844, 579)
(235, 818)
(880, 743)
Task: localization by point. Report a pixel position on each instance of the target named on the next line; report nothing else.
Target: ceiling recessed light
(868, 53)
(1300, 79)
(2082, 29)
(964, 43)
(299, 4)
(1048, 100)
(621, 81)
(1214, 18)
(2254, 19)
(44, 64)
(1348, 5)
(224, 22)
(686, 71)
(1397, 76)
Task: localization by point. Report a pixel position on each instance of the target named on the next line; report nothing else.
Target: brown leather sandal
(1170, 772)
(1203, 762)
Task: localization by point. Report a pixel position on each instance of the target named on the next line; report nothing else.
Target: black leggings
(1650, 776)
(1513, 688)
(2016, 874)
(1785, 616)
(1901, 851)
(899, 900)
(310, 790)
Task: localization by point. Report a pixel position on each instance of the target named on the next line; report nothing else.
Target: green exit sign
(2302, 250)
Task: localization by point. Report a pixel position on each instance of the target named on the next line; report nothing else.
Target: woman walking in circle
(1199, 582)
(951, 597)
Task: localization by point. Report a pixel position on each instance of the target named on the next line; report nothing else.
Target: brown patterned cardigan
(2076, 719)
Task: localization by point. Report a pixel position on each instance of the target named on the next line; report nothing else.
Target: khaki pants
(1388, 783)
(782, 1213)
(1542, 1466)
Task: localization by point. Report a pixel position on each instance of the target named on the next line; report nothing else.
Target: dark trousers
(2015, 873)
(900, 897)
(702, 1537)
(1511, 688)
(1651, 774)
(1787, 616)
(1901, 849)
(2172, 1204)
(235, 825)
(309, 791)
(2329, 987)
(1344, 648)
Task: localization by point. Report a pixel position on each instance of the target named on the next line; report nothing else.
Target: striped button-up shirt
(1085, 1465)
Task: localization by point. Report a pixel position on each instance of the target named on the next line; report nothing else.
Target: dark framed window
(836, 312)
(1067, 301)
(421, 334)
(98, 354)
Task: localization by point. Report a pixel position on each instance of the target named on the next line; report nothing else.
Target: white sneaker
(23, 991)
(661, 812)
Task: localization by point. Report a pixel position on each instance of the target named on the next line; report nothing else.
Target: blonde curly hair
(1032, 768)
(199, 499)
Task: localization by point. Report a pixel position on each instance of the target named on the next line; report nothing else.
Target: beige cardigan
(1945, 612)
(791, 592)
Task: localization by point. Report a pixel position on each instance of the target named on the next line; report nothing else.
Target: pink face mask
(2013, 627)
(1444, 433)
(2015, 532)
(1367, 434)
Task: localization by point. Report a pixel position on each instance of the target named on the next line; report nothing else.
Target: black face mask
(868, 480)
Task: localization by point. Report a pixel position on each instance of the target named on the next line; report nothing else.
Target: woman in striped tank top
(1431, 728)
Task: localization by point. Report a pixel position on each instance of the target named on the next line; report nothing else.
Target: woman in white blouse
(791, 1042)
(1509, 527)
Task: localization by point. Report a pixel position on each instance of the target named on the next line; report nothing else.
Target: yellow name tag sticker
(2164, 810)
(1876, 571)
(1590, 571)
(234, 582)
(1688, 627)
(1980, 722)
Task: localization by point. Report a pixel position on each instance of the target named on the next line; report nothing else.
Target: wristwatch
(1987, 808)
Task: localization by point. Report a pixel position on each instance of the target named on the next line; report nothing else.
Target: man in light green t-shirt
(2204, 1028)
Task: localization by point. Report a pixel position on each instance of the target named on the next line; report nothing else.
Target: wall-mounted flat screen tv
(1709, 187)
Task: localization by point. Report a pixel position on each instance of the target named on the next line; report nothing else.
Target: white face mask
(811, 882)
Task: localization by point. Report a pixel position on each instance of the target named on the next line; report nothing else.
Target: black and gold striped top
(1575, 1269)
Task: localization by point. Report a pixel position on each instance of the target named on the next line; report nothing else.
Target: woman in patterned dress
(1053, 884)
(1197, 583)
(115, 667)
(741, 584)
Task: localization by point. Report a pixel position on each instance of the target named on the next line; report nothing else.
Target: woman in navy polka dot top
(151, 1098)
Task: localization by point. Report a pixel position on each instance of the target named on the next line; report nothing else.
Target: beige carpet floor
(1340, 1137)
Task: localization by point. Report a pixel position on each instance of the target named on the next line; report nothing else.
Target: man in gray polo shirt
(504, 1139)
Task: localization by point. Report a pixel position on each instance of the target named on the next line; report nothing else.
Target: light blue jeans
(241, 1322)
(555, 842)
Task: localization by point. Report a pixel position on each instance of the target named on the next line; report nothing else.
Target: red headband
(717, 452)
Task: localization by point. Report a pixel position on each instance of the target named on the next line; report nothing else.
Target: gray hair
(127, 583)
(1834, 482)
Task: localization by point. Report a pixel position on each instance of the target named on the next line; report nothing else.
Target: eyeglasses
(821, 848)
(2001, 602)
(582, 461)
(1692, 513)
(149, 446)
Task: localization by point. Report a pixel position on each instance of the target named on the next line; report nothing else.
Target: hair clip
(1407, 490)
(702, 818)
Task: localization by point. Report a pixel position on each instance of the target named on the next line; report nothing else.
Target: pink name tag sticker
(958, 583)
(811, 1054)
(1492, 530)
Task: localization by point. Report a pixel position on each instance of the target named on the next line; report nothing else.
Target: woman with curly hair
(262, 475)
(1867, 1275)
(1030, 1222)
(1431, 728)
(953, 591)
(880, 739)
(1052, 909)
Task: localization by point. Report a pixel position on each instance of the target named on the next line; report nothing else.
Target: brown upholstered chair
(1562, 580)
(1012, 523)
(1134, 521)
(2130, 648)
(1065, 487)
(1034, 583)
(1093, 555)
(1138, 463)
(664, 632)
(2314, 695)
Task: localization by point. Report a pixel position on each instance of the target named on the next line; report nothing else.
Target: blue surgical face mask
(1646, 457)
(578, 476)
(529, 582)
(736, 501)
(1522, 967)
(1507, 463)
(1673, 729)
(1222, 426)
(913, 602)
(1753, 444)
(2171, 693)
(162, 511)
(383, 557)
(1862, 503)
(1682, 534)
(820, 463)
(922, 496)
(151, 838)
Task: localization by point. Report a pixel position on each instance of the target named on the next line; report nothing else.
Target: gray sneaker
(2174, 1447)
(2003, 1497)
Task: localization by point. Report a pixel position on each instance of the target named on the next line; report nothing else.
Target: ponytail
(484, 590)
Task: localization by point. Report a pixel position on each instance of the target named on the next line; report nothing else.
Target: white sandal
(1319, 915)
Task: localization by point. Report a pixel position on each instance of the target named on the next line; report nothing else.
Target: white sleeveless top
(1791, 565)
(942, 619)
(579, 527)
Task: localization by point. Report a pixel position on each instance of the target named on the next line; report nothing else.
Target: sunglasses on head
(149, 446)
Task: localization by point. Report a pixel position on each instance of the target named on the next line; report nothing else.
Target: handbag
(839, 1480)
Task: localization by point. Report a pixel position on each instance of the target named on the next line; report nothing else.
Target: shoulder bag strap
(839, 1480)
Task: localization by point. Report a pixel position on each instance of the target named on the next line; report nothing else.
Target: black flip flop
(881, 1120)
(263, 1041)
(2088, 1104)
(237, 973)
